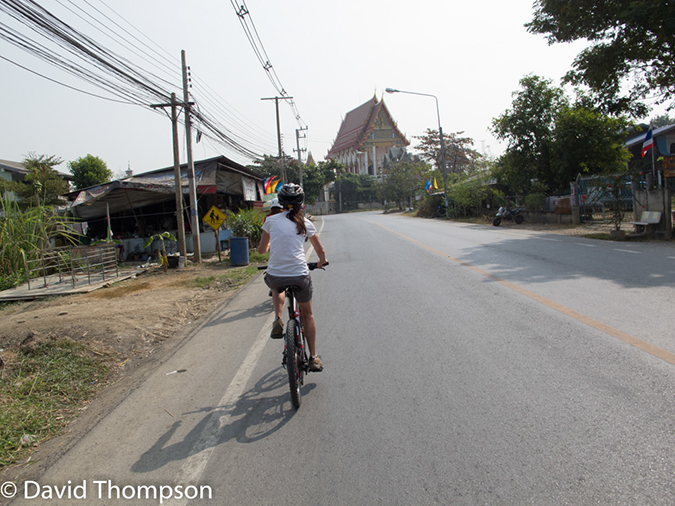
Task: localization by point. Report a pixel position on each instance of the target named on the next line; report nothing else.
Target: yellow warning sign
(214, 218)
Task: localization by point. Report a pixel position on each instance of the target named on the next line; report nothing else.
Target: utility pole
(297, 141)
(176, 171)
(282, 172)
(194, 214)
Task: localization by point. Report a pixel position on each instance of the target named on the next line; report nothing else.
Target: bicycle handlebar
(310, 265)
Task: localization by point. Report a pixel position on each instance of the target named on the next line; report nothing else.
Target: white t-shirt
(287, 248)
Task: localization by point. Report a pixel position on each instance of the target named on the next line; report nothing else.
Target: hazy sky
(329, 56)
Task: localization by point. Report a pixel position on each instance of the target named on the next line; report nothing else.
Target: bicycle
(295, 358)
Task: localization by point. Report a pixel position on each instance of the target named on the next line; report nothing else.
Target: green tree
(661, 121)
(460, 157)
(42, 184)
(632, 48)
(316, 177)
(353, 189)
(587, 142)
(271, 166)
(528, 129)
(402, 182)
(469, 194)
(89, 171)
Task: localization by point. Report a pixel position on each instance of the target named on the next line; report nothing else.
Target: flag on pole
(435, 184)
(278, 186)
(267, 184)
(648, 143)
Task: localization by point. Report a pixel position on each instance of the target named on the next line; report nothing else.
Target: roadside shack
(144, 205)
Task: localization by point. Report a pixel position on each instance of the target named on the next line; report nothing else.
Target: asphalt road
(464, 365)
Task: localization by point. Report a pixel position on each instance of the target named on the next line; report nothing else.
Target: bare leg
(309, 324)
(278, 300)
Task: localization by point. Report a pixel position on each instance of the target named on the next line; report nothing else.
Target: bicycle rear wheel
(293, 363)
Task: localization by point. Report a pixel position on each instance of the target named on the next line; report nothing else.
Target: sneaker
(315, 364)
(277, 329)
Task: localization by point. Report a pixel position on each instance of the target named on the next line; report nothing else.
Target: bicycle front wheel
(293, 363)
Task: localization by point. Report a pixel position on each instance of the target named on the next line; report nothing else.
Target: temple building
(365, 138)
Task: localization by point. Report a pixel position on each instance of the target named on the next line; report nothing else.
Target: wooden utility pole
(194, 208)
(282, 171)
(176, 172)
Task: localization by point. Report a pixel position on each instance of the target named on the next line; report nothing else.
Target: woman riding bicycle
(284, 234)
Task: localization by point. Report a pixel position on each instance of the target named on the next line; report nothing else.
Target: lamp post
(440, 132)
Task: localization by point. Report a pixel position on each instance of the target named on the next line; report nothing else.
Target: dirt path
(134, 324)
(128, 319)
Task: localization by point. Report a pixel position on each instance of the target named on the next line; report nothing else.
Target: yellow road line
(602, 327)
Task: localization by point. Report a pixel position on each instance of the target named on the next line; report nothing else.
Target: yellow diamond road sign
(214, 217)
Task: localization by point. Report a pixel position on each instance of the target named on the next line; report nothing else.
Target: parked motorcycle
(507, 214)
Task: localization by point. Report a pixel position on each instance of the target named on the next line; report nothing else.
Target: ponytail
(298, 217)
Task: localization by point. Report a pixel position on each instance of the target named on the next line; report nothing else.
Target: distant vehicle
(507, 214)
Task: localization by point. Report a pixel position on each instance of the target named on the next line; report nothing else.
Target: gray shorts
(304, 282)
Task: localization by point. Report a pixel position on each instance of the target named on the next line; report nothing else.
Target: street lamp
(440, 132)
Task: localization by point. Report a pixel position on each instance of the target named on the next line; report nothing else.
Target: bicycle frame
(300, 339)
(295, 358)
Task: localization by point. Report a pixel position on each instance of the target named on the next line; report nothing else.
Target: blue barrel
(238, 250)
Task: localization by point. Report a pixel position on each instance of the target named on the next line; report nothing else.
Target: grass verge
(41, 390)
(232, 278)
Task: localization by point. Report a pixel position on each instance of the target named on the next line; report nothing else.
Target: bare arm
(320, 251)
(264, 244)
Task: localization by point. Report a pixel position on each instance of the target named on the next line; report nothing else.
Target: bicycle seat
(292, 288)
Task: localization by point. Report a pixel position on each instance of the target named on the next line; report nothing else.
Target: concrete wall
(653, 200)
(547, 217)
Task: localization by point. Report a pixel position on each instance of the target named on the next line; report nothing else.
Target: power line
(253, 37)
(129, 80)
(122, 41)
(61, 45)
(63, 84)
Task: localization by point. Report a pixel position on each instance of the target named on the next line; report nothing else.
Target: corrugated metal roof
(18, 168)
(655, 133)
(13, 167)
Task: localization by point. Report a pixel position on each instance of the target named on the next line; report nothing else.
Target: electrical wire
(63, 84)
(63, 46)
(254, 40)
(171, 70)
(128, 80)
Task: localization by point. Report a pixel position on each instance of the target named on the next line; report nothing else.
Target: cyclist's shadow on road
(254, 416)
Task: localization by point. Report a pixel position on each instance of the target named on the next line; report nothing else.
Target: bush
(246, 223)
(429, 206)
(535, 201)
(11, 280)
(29, 230)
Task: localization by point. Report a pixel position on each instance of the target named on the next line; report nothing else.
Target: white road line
(193, 466)
(587, 245)
(547, 239)
(626, 251)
